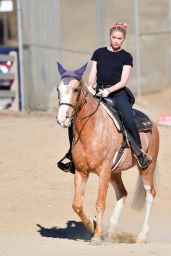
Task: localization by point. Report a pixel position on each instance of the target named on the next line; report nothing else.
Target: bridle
(78, 90)
(76, 107)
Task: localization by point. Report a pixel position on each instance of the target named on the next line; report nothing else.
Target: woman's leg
(70, 136)
(124, 107)
(69, 166)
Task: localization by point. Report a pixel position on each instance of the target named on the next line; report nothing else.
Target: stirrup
(64, 167)
(68, 155)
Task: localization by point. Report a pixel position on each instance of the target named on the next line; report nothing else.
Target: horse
(96, 141)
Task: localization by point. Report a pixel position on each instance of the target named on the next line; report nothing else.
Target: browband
(72, 76)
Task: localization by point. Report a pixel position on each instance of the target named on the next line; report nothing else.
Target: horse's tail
(139, 195)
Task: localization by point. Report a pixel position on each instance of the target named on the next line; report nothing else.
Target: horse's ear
(60, 68)
(81, 70)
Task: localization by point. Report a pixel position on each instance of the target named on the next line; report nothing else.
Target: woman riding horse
(109, 74)
(95, 144)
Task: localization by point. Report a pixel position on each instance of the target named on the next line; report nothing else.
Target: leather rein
(76, 107)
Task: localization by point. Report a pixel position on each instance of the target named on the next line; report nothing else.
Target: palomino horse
(96, 140)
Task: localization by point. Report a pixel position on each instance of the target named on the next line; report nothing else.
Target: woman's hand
(104, 93)
(91, 89)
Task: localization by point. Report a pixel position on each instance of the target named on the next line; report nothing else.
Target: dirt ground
(36, 197)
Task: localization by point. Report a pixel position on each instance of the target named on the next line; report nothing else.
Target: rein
(94, 110)
(75, 107)
(100, 98)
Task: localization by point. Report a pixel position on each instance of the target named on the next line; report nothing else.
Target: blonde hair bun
(120, 26)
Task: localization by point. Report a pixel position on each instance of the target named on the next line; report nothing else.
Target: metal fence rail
(9, 86)
(51, 33)
(5, 76)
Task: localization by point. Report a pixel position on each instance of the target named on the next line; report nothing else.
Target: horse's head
(69, 90)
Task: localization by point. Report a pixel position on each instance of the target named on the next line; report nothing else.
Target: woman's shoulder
(127, 58)
(98, 53)
(101, 49)
(128, 54)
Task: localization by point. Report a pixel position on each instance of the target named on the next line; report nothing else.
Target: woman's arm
(92, 74)
(124, 79)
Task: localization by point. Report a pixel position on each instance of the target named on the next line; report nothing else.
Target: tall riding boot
(69, 166)
(142, 158)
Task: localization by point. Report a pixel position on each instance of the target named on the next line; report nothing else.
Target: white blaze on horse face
(65, 92)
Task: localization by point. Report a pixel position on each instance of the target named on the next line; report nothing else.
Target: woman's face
(116, 39)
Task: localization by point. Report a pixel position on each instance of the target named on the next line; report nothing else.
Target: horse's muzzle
(66, 123)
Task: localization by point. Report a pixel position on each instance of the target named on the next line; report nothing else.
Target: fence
(69, 31)
(9, 85)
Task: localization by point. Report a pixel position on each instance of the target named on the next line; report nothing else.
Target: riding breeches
(121, 103)
(70, 135)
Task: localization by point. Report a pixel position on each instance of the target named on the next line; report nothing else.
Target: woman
(109, 74)
(110, 70)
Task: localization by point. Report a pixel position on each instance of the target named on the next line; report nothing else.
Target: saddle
(142, 121)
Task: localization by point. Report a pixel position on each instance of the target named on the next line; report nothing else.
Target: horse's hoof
(141, 240)
(110, 232)
(95, 241)
(91, 226)
(109, 236)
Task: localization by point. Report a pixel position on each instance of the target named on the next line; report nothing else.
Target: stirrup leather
(119, 155)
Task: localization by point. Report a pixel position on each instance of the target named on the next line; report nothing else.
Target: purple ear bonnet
(81, 70)
(68, 75)
(60, 69)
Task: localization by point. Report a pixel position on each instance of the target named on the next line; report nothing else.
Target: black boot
(143, 160)
(69, 166)
(66, 167)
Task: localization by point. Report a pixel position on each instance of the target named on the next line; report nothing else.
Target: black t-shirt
(110, 65)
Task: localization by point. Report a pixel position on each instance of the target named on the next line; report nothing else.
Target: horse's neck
(85, 116)
(92, 122)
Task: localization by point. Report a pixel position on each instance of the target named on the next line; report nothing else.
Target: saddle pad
(142, 121)
(112, 115)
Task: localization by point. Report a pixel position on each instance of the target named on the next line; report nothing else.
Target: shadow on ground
(74, 230)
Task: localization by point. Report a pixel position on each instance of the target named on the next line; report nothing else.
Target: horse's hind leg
(121, 193)
(148, 183)
(80, 181)
(150, 192)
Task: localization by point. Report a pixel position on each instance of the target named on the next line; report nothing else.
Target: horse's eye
(76, 90)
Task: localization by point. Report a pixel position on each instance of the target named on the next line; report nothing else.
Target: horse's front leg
(80, 180)
(104, 178)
